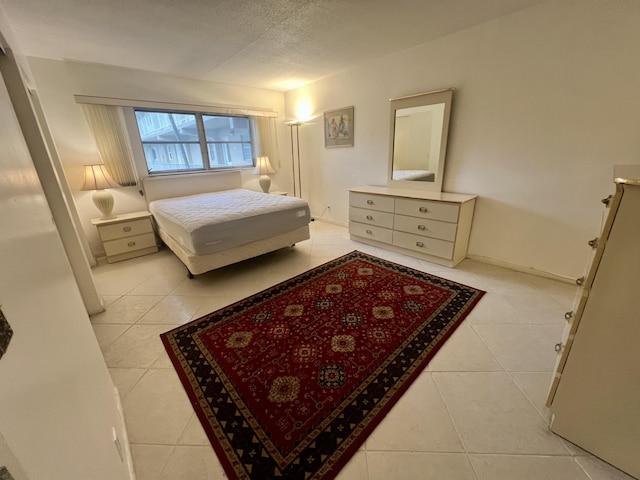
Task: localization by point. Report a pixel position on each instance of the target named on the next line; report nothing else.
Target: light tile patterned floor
(476, 413)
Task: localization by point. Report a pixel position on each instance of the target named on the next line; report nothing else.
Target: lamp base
(104, 201)
(265, 183)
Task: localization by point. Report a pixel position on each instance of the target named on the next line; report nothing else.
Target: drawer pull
(131, 244)
(419, 244)
(421, 227)
(369, 202)
(580, 281)
(568, 316)
(369, 232)
(126, 229)
(423, 209)
(369, 217)
(593, 243)
(558, 347)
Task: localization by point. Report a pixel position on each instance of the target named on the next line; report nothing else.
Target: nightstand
(276, 192)
(126, 236)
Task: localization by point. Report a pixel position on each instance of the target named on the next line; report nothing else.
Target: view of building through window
(183, 141)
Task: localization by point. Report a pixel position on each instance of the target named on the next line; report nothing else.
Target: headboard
(169, 186)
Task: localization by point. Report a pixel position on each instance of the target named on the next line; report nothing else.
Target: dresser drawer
(429, 246)
(371, 217)
(371, 232)
(129, 244)
(380, 203)
(129, 228)
(446, 212)
(425, 227)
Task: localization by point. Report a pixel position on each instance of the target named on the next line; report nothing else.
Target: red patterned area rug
(289, 382)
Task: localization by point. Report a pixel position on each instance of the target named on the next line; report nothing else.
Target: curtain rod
(128, 102)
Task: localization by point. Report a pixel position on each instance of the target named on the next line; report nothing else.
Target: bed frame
(156, 188)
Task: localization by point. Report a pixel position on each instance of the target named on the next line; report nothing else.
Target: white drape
(107, 125)
(267, 140)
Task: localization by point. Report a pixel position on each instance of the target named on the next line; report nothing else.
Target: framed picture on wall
(338, 128)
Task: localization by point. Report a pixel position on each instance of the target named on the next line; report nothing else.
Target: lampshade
(263, 167)
(96, 178)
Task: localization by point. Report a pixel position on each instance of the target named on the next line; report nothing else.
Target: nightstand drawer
(129, 244)
(128, 228)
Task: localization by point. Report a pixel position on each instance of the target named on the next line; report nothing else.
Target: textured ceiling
(275, 44)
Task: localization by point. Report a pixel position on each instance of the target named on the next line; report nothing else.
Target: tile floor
(476, 413)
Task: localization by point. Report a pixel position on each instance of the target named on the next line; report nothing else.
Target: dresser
(427, 225)
(126, 236)
(595, 392)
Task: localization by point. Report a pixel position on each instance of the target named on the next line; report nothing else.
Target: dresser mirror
(418, 141)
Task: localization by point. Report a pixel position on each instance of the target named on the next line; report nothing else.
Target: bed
(419, 175)
(209, 221)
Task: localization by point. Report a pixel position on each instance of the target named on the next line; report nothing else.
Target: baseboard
(333, 222)
(124, 441)
(520, 268)
(101, 259)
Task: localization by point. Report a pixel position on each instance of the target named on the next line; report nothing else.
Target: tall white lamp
(264, 168)
(295, 154)
(97, 178)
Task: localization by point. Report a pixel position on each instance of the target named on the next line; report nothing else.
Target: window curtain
(107, 125)
(267, 141)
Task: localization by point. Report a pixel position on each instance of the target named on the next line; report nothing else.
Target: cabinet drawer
(425, 227)
(429, 246)
(370, 231)
(373, 202)
(125, 229)
(372, 217)
(446, 212)
(129, 244)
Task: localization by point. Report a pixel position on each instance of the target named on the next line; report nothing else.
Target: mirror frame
(421, 99)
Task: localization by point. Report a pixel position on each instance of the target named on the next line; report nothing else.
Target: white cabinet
(595, 393)
(426, 225)
(126, 236)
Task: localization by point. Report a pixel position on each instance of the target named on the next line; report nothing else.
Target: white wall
(546, 102)
(58, 81)
(57, 401)
(9, 460)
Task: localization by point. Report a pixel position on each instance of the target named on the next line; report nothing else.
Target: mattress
(213, 222)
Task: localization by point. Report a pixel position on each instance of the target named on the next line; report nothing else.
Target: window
(188, 141)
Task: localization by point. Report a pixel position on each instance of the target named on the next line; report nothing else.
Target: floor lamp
(295, 155)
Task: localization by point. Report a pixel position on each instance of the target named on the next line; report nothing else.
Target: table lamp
(264, 168)
(96, 178)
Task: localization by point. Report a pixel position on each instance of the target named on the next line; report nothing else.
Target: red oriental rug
(288, 383)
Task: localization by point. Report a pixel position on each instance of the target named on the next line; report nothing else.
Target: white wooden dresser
(595, 392)
(427, 225)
